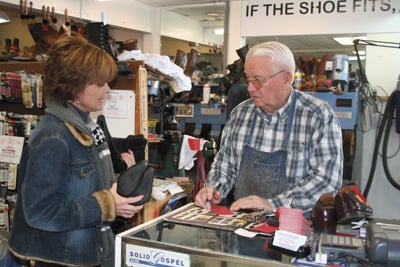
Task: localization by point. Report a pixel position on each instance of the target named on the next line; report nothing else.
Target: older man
(282, 147)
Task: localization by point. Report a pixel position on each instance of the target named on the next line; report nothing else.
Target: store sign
(294, 17)
(139, 256)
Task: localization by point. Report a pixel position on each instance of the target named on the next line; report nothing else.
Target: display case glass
(163, 243)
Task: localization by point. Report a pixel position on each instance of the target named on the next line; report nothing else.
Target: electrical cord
(392, 109)
(387, 119)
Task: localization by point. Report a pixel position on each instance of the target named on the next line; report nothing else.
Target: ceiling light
(348, 40)
(4, 17)
(354, 58)
(213, 14)
(361, 52)
(219, 31)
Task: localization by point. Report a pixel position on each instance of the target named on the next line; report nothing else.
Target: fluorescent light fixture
(213, 14)
(219, 31)
(353, 58)
(348, 40)
(361, 52)
(4, 17)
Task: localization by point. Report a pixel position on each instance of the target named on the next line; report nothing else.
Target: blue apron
(264, 173)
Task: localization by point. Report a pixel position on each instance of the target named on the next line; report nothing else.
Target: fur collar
(84, 139)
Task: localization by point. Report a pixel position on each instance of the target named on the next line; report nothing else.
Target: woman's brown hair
(74, 63)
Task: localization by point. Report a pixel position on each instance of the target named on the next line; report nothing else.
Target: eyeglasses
(258, 82)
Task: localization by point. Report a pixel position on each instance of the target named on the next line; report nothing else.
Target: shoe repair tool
(21, 9)
(24, 9)
(53, 15)
(67, 23)
(45, 22)
(31, 15)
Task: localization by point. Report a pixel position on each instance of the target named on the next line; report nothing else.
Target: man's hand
(252, 202)
(208, 196)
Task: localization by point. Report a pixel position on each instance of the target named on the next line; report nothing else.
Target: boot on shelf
(15, 45)
(180, 58)
(306, 64)
(320, 84)
(191, 62)
(8, 45)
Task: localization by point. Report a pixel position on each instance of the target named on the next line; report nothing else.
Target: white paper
(288, 240)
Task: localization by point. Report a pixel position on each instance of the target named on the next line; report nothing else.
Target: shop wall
(383, 63)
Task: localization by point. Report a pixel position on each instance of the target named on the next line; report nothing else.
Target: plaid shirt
(315, 155)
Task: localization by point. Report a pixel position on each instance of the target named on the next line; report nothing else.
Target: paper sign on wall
(119, 112)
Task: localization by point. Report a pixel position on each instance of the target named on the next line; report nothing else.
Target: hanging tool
(31, 15)
(21, 9)
(53, 15)
(67, 24)
(45, 22)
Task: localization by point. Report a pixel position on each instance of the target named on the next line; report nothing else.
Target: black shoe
(137, 180)
(146, 186)
(131, 178)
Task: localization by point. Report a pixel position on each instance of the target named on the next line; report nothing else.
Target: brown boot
(320, 84)
(8, 45)
(306, 65)
(350, 207)
(191, 62)
(180, 58)
(323, 215)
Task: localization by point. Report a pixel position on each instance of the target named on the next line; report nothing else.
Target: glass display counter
(163, 243)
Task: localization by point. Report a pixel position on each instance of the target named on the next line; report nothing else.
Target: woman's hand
(129, 158)
(123, 205)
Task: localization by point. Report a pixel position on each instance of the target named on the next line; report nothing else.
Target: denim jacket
(63, 196)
